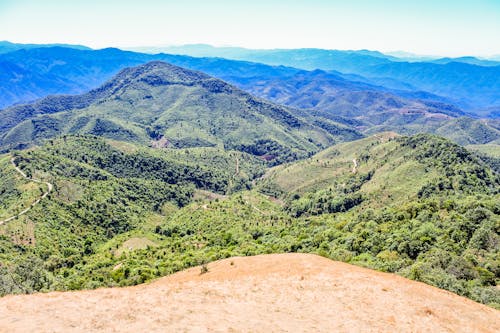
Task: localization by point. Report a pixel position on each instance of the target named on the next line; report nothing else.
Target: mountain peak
(159, 73)
(157, 101)
(164, 70)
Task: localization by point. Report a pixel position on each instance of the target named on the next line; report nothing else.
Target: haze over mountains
(6, 46)
(329, 96)
(205, 50)
(463, 80)
(470, 83)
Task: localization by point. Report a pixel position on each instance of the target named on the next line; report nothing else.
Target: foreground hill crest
(247, 294)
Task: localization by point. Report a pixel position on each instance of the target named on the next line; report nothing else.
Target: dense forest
(122, 214)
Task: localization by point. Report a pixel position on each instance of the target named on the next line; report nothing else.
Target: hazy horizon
(146, 48)
(396, 53)
(448, 28)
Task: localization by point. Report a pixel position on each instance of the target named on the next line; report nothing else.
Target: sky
(427, 27)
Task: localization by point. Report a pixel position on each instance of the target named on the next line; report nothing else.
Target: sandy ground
(268, 293)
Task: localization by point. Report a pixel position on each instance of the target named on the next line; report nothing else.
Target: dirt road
(49, 189)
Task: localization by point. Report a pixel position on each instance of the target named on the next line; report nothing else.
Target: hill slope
(381, 170)
(472, 86)
(332, 97)
(121, 214)
(368, 108)
(158, 101)
(278, 293)
(17, 193)
(469, 85)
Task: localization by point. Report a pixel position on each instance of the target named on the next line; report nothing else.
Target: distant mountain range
(29, 74)
(369, 108)
(325, 98)
(470, 82)
(467, 60)
(6, 46)
(161, 104)
(205, 50)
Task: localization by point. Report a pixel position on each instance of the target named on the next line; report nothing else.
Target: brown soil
(268, 293)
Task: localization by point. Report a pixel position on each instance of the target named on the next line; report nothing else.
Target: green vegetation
(489, 154)
(380, 171)
(330, 99)
(492, 150)
(158, 104)
(466, 131)
(120, 214)
(95, 159)
(16, 193)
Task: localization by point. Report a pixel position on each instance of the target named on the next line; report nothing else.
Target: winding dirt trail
(237, 166)
(355, 167)
(266, 293)
(49, 189)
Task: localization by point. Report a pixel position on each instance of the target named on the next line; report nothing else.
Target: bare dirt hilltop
(268, 293)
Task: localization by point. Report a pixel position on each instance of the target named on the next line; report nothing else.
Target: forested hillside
(122, 214)
(161, 104)
(365, 105)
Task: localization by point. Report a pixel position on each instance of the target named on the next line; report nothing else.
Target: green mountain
(122, 214)
(368, 108)
(488, 153)
(163, 168)
(462, 130)
(329, 97)
(381, 171)
(163, 105)
(468, 84)
(100, 189)
(420, 206)
(466, 131)
(16, 193)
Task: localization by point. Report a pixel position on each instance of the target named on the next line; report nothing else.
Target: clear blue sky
(440, 27)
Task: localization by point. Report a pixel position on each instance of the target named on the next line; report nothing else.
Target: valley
(134, 184)
(438, 201)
